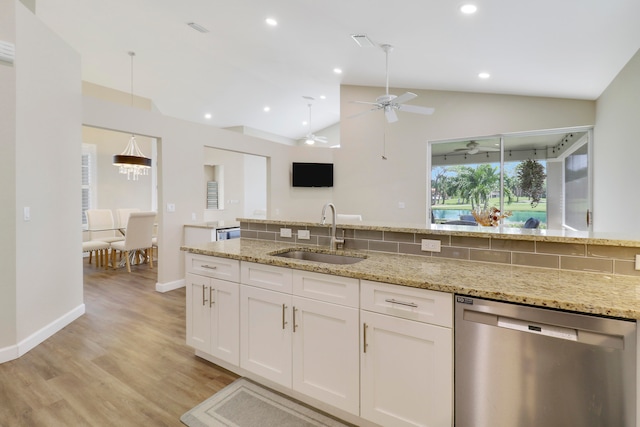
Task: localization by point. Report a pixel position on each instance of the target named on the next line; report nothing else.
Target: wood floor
(124, 363)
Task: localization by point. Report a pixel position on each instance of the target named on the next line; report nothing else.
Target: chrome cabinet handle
(364, 336)
(408, 304)
(284, 320)
(210, 267)
(204, 298)
(294, 318)
(211, 301)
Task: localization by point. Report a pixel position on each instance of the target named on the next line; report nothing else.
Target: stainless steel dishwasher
(523, 366)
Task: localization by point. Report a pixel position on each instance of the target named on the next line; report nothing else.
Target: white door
(407, 372)
(265, 333)
(326, 353)
(198, 312)
(224, 300)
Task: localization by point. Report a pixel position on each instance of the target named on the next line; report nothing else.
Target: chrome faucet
(335, 242)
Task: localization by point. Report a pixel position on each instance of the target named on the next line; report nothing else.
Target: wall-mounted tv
(312, 175)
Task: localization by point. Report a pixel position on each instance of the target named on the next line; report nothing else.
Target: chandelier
(132, 162)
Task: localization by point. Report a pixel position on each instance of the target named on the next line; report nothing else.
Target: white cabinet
(406, 364)
(325, 353)
(213, 323)
(307, 344)
(266, 334)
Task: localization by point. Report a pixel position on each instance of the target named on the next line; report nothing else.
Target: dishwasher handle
(538, 328)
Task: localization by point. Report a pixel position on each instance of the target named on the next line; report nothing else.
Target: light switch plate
(171, 207)
(304, 235)
(638, 262)
(285, 232)
(430, 245)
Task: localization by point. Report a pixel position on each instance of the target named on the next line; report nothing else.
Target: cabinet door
(198, 312)
(407, 372)
(326, 352)
(265, 333)
(224, 299)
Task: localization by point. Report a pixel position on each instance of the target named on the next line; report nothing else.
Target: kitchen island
(260, 313)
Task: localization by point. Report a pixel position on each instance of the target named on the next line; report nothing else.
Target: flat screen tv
(312, 175)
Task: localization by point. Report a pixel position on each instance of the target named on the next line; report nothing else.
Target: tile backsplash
(565, 256)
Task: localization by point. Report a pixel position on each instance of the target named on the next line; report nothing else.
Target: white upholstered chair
(138, 237)
(123, 216)
(102, 219)
(99, 248)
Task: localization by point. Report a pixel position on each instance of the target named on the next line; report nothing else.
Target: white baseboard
(166, 287)
(15, 351)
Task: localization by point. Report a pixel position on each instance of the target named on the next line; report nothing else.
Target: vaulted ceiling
(567, 48)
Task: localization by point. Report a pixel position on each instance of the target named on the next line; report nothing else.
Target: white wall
(617, 152)
(44, 284)
(374, 187)
(255, 186)
(8, 180)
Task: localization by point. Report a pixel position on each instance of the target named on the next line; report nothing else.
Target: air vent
(362, 40)
(197, 27)
(7, 52)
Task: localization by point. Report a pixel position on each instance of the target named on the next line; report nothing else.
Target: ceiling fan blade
(416, 109)
(366, 103)
(391, 115)
(320, 138)
(491, 149)
(405, 97)
(362, 113)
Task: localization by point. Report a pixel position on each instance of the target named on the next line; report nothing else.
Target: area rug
(246, 404)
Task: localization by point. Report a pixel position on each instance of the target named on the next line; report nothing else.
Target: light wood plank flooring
(124, 363)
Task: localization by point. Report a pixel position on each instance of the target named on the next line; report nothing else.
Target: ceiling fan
(311, 138)
(473, 148)
(392, 103)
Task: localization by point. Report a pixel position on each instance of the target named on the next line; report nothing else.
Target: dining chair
(99, 248)
(138, 237)
(123, 215)
(102, 219)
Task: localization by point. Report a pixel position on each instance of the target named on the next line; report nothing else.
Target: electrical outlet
(430, 245)
(285, 232)
(171, 207)
(401, 205)
(304, 235)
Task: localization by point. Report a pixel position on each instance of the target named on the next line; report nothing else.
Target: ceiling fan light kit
(311, 138)
(391, 103)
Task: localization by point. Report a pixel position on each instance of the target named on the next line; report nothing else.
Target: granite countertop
(592, 293)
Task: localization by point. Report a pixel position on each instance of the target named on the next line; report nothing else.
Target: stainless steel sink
(318, 257)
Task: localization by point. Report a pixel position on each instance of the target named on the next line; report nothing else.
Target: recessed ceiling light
(267, 109)
(337, 70)
(468, 9)
(208, 116)
(304, 123)
(484, 75)
(271, 22)
(323, 97)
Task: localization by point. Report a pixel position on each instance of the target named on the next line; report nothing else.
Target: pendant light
(131, 161)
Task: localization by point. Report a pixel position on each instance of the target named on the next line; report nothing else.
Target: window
(88, 180)
(540, 178)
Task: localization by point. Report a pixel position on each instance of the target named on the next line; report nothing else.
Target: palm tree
(476, 185)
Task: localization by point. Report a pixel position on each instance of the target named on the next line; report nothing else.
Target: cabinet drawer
(421, 305)
(266, 276)
(220, 268)
(328, 288)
